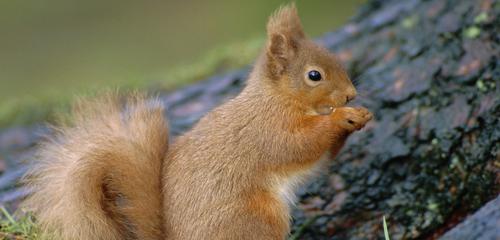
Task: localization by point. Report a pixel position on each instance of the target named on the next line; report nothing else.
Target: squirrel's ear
(284, 30)
(279, 52)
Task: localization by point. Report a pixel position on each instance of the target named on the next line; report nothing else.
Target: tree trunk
(430, 72)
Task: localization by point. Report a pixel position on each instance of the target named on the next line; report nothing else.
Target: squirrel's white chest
(287, 187)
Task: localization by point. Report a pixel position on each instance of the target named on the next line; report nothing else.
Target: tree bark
(430, 72)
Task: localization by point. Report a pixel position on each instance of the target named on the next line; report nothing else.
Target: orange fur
(231, 177)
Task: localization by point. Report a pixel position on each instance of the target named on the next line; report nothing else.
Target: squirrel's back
(99, 175)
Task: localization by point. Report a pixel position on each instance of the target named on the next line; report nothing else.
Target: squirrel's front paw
(351, 118)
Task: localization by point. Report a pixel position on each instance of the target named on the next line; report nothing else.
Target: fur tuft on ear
(286, 21)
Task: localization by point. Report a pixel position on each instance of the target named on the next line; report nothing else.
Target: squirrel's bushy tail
(99, 175)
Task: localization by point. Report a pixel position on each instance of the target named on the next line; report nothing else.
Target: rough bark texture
(430, 71)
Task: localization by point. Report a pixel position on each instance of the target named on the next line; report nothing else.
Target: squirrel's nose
(350, 98)
(350, 94)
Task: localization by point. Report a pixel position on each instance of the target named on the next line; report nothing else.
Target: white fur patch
(287, 189)
(288, 186)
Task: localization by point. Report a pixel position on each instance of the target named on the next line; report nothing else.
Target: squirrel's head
(306, 72)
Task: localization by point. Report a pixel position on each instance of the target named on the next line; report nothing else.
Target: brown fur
(106, 146)
(231, 177)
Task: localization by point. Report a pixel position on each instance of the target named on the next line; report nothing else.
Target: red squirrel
(111, 174)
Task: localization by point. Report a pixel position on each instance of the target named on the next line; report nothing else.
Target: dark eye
(314, 75)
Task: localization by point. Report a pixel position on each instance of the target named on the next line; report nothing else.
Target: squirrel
(110, 173)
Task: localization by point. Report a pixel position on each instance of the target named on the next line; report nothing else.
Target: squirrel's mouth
(326, 109)
(326, 106)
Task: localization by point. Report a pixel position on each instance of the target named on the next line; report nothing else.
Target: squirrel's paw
(352, 118)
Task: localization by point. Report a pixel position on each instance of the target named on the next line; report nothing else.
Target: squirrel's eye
(314, 75)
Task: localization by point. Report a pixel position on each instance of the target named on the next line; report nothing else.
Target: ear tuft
(286, 21)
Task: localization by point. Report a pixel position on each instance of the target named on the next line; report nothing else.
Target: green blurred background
(61, 47)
